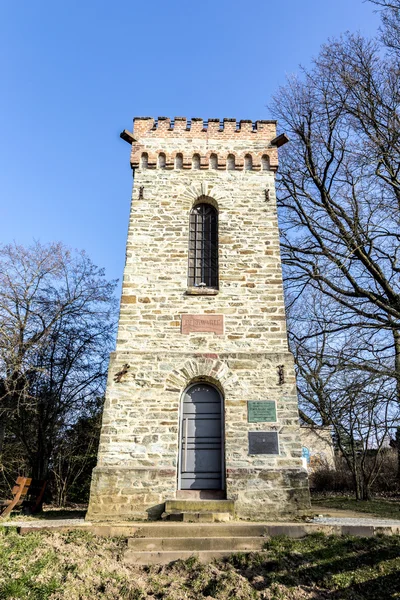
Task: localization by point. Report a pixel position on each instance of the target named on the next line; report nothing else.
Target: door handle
(185, 448)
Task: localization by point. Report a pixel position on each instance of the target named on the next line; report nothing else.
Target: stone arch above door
(208, 370)
(203, 189)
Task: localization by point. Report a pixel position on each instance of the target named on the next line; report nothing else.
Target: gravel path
(367, 521)
(46, 523)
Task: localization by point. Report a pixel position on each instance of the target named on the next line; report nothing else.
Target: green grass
(386, 509)
(80, 566)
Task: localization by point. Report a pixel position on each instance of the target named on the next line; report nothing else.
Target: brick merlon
(165, 127)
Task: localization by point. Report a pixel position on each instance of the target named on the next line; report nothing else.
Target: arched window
(161, 160)
(144, 160)
(203, 247)
(265, 162)
(248, 162)
(230, 162)
(178, 161)
(196, 161)
(213, 161)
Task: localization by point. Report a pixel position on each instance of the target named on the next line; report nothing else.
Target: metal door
(201, 449)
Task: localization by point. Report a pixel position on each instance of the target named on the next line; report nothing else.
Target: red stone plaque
(202, 323)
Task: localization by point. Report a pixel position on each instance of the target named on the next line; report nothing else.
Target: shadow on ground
(340, 567)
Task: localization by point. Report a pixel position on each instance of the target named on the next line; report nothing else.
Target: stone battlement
(198, 144)
(214, 128)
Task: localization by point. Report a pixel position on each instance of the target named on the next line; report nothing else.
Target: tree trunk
(365, 488)
(40, 471)
(396, 338)
(3, 413)
(3, 424)
(40, 466)
(361, 487)
(356, 480)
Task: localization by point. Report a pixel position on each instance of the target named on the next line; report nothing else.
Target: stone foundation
(140, 494)
(126, 494)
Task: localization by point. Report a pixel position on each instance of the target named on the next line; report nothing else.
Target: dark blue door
(201, 439)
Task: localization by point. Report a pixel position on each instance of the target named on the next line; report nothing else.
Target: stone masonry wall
(154, 362)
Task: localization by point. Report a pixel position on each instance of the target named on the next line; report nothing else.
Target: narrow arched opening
(161, 160)
(196, 161)
(230, 162)
(203, 246)
(144, 160)
(179, 161)
(248, 162)
(213, 161)
(265, 162)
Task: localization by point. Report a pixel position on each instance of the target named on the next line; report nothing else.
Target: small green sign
(261, 411)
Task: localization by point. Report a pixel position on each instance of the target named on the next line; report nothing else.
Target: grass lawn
(79, 566)
(386, 509)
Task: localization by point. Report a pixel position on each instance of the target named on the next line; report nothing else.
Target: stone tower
(201, 398)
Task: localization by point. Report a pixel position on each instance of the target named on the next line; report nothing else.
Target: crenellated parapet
(179, 143)
(183, 127)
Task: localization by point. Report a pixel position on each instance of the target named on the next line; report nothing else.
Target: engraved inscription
(202, 323)
(260, 411)
(263, 442)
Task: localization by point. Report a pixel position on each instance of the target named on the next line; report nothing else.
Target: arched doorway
(201, 452)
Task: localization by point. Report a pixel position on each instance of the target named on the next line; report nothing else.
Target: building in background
(317, 448)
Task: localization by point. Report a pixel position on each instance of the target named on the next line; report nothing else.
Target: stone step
(163, 558)
(179, 505)
(201, 494)
(363, 528)
(234, 544)
(199, 530)
(226, 530)
(167, 543)
(198, 517)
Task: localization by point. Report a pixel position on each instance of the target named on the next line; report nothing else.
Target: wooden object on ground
(19, 493)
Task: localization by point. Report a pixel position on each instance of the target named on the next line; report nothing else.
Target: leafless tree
(390, 29)
(56, 328)
(339, 199)
(337, 390)
(75, 456)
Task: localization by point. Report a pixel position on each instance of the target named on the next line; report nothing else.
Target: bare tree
(75, 456)
(390, 28)
(339, 185)
(339, 198)
(64, 387)
(338, 391)
(56, 327)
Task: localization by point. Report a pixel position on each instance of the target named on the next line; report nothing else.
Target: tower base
(125, 494)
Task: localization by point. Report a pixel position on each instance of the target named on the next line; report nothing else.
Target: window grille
(203, 247)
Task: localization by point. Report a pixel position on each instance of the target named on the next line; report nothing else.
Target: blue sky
(74, 74)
